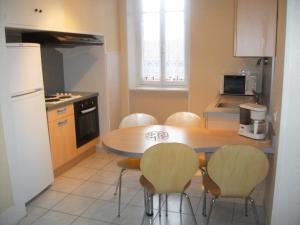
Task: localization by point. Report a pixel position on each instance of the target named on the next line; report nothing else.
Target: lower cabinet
(62, 140)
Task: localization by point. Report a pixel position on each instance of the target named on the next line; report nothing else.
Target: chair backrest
(169, 166)
(137, 119)
(237, 169)
(184, 119)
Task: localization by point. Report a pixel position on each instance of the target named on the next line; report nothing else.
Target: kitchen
(211, 53)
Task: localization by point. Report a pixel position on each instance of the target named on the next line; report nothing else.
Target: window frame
(163, 83)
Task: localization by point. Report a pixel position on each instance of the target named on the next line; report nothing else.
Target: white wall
(286, 201)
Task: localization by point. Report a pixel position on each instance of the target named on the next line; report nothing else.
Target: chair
(132, 120)
(168, 168)
(234, 171)
(184, 119)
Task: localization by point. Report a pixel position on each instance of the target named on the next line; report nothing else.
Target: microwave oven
(238, 84)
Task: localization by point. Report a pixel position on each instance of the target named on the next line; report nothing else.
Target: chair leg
(159, 205)
(204, 203)
(166, 204)
(191, 207)
(210, 210)
(118, 184)
(246, 206)
(181, 197)
(254, 210)
(120, 188)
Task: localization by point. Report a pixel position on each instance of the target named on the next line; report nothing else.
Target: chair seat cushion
(211, 186)
(150, 188)
(129, 163)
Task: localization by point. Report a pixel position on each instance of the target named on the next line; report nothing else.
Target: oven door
(234, 84)
(87, 125)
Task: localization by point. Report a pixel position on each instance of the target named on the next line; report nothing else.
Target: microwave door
(234, 85)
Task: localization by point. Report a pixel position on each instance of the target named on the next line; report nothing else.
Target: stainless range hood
(61, 39)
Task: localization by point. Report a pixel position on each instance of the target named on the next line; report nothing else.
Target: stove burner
(53, 100)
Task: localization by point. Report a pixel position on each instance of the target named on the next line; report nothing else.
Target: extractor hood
(61, 39)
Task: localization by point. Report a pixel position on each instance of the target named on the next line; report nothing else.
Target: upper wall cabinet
(255, 28)
(39, 14)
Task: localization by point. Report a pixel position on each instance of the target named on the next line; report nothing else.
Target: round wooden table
(133, 141)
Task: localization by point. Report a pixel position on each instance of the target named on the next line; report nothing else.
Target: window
(161, 43)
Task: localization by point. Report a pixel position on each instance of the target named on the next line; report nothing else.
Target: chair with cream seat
(187, 119)
(234, 171)
(132, 120)
(184, 119)
(168, 168)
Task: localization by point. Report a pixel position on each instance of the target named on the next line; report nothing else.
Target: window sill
(167, 89)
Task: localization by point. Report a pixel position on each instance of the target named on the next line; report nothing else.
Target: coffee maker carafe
(252, 120)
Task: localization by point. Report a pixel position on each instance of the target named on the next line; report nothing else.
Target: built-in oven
(86, 120)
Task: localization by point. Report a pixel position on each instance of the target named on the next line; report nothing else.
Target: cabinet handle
(40, 11)
(62, 123)
(36, 10)
(61, 110)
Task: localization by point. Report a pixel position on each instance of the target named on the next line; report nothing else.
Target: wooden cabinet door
(39, 14)
(255, 31)
(62, 140)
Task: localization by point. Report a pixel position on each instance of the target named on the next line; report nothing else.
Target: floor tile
(84, 221)
(64, 184)
(112, 167)
(127, 194)
(174, 219)
(239, 214)
(33, 213)
(133, 215)
(79, 172)
(91, 189)
(94, 163)
(102, 210)
(55, 218)
(74, 205)
(48, 199)
(105, 177)
(174, 204)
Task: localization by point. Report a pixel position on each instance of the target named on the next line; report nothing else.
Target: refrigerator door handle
(26, 92)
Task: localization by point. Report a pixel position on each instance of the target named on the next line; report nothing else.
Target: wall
(276, 93)
(96, 16)
(212, 39)
(160, 104)
(101, 16)
(212, 35)
(6, 199)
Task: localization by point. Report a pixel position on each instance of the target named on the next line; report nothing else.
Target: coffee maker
(252, 121)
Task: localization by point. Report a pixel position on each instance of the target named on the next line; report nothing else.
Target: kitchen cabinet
(62, 134)
(46, 14)
(255, 28)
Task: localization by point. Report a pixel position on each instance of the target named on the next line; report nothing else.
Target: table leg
(148, 203)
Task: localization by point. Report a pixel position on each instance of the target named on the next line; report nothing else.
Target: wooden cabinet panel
(60, 112)
(45, 14)
(255, 28)
(62, 140)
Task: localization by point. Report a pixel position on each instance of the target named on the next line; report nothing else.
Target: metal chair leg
(254, 210)
(118, 184)
(181, 197)
(204, 203)
(120, 188)
(191, 207)
(210, 210)
(246, 206)
(159, 205)
(166, 204)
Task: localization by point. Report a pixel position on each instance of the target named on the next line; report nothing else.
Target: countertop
(84, 95)
(233, 111)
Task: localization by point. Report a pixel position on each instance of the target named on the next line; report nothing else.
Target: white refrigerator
(32, 148)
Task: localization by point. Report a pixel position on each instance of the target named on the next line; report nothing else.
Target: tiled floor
(84, 196)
